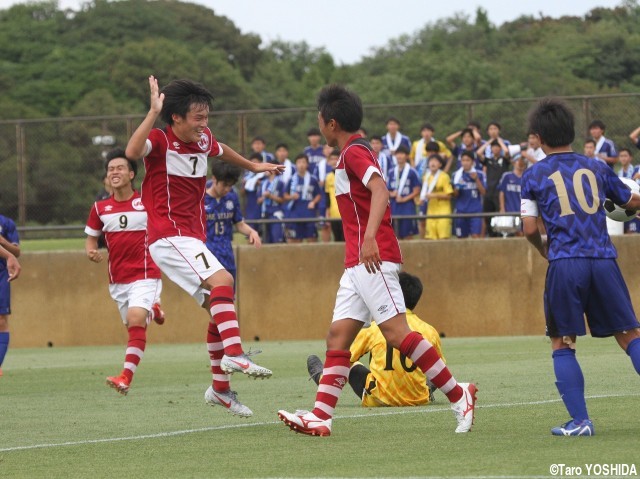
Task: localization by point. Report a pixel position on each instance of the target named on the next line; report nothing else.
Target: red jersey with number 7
(356, 166)
(174, 184)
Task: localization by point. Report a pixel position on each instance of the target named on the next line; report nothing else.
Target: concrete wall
(472, 288)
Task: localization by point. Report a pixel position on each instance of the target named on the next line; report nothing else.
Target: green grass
(54, 403)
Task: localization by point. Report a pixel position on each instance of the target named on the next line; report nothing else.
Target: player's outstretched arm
(137, 142)
(633, 203)
(531, 232)
(231, 156)
(13, 266)
(12, 248)
(254, 237)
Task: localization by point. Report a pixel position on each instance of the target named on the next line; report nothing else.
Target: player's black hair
(469, 154)
(256, 156)
(225, 172)
(314, 132)
(597, 124)
(337, 103)
(119, 153)
(627, 150)
(180, 95)
(259, 138)
(495, 143)
(436, 157)
(393, 119)
(473, 123)
(403, 149)
(411, 289)
(281, 145)
(375, 137)
(494, 123)
(427, 126)
(589, 140)
(301, 155)
(466, 131)
(433, 146)
(552, 120)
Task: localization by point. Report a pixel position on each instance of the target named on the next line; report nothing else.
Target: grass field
(58, 419)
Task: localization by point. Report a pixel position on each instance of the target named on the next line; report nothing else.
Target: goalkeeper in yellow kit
(393, 379)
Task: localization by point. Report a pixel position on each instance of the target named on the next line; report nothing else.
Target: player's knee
(220, 278)
(137, 317)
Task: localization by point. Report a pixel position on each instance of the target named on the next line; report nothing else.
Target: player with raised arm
(134, 279)
(583, 279)
(369, 287)
(175, 159)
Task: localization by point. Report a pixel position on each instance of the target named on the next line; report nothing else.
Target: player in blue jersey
(404, 187)
(567, 190)
(10, 246)
(223, 212)
(303, 195)
(271, 201)
(605, 148)
(251, 188)
(509, 187)
(315, 153)
(469, 185)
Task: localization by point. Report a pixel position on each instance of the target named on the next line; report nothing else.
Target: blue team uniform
(273, 210)
(404, 228)
(632, 226)
(608, 147)
(315, 156)
(252, 210)
(300, 208)
(457, 154)
(221, 216)
(583, 277)
(469, 200)
(9, 231)
(510, 184)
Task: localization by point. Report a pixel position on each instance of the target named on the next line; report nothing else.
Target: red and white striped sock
(425, 356)
(334, 377)
(135, 350)
(223, 313)
(216, 351)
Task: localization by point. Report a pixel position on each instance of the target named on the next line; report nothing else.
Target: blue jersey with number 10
(221, 216)
(570, 189)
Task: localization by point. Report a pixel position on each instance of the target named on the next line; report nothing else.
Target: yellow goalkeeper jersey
(394, 379)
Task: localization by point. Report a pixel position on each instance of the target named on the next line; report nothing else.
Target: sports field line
(390, 412)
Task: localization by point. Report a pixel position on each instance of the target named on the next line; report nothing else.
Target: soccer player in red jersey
(369, 287)
(173, 190)
(134, 279)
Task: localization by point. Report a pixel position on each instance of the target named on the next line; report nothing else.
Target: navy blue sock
(633, 350)
(4, 345)
(570, 383)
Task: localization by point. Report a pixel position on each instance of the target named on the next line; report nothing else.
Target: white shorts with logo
(187, 262)
(139, 294)
(365, 296)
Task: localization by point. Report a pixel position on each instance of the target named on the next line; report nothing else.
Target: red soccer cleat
(158, 314)
(119, 383)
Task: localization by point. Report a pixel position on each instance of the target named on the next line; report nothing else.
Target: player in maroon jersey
(370, 287)
(134, 279)
(173, 190)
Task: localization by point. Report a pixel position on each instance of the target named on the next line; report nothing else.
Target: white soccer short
(365, 296)
(139, 294)
(187, 262)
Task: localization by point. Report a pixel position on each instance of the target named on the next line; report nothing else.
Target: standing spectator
(259, 145)
(605, 148)
(509, 188)
(404, 186)
(493, 131)
(393, 139)
(635, 137)
(467, 143)
(134, 279)
(369, 288)
(175, 160)
(583, 279)
(251, 188)
(533, 152)
(468, 189)
(271, 201)
(315, 152)
(494, 167)
(590, 150)
(385, 161)
(222, 209)
(627, 170)
(332, 205)
(282, 158)
(9, 270)
(419, 155)
(435, 199)
(303, 195)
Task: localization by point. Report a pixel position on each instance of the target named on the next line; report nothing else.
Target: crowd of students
(467, 173)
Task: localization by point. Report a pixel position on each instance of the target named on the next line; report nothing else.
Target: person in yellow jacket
(435, 199)
(392, 380)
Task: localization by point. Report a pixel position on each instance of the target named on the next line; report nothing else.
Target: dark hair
(300, 156)
(433, 146)
(473, 123)
(411, 289)
(225, 172)
(335, 152)
(119, 153)
(625, 149)
(337, 103)
(589, 140)
(466, 131)
(281, 145)
(469, 154)
(375, 137)
(427, 126)
(259, 138)
(495, 143)
(597, 124)
(394, 119)
(552, 120)
(436, 157)
(180, 95)
(314, 132)
(256, 156)
(494, 123)
(403, 149)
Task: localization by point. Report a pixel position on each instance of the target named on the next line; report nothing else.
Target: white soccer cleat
(242, 364)
(228, 400)
(465, 407)
(306, 422)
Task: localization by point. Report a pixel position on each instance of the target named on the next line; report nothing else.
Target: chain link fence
(51, 169)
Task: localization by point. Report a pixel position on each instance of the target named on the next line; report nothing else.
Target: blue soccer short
(5, 292)
(301, 231)
(576, 287)
(463, 227)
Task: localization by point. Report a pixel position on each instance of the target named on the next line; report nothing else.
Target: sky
(349, 29)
